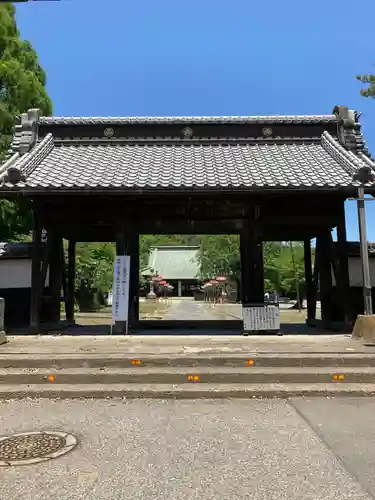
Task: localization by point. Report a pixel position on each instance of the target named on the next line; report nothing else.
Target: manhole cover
(33, 447)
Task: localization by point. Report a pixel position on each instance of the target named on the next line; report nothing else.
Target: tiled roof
(300, 164)
(314, 159)
(174, 262)
(120, 120)
(15, 250)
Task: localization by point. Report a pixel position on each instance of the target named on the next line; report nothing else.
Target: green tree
(22, 86)
(290, 262)
(94, 273)
(369, 81)
(219, 255)
(283, 269)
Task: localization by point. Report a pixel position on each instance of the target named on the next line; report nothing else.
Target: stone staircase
(259, 375)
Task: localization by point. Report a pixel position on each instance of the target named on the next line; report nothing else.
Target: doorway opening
(190, 282)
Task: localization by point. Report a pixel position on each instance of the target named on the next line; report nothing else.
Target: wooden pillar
(311, 305)
(133, 246)
(55, 275)
(36, 274)
(315, 283)
(252, 269)
(70, 299)
(325, 270)
(343, 268)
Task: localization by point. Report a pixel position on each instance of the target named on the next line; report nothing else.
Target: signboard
(256, 318)
(120, 300)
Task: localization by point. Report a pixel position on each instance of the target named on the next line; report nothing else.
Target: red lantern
(156, 278)
(221, 278)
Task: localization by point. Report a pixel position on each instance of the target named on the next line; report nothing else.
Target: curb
(185, 391)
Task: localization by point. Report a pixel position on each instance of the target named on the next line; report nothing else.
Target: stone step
(183, 391)
(198, 375)
(89, 360)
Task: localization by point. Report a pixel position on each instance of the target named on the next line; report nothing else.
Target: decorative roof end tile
(14, 175)
(349, 129)
(27, 130)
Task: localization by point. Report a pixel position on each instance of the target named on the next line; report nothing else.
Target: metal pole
(366, 280)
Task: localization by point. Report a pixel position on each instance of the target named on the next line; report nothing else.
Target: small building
(356, 300)
(15, 284)
(178, 265)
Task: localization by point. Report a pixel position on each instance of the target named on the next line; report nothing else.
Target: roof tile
(211, 166)
(174, 262)
(119, 120)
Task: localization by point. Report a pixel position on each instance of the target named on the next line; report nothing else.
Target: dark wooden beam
(311, 305)
(269, 233)
(71, 276)
(324, 243)
(251, 251)
(343, 269)
(55, 275)
(301, 221)
(104, 216)
(210, 207)
(315, 284)
(133, 249)
(36, 275)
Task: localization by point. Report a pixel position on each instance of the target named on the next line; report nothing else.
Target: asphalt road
(150, 449)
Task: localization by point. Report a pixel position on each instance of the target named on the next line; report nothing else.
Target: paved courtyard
(200, 311)
(164, 345)
(141, 449)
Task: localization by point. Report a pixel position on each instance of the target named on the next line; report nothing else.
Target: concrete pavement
(183, 344)
(185, 310)
(232, 450)
(163, 367)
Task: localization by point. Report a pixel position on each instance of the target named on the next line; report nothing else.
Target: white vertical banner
(120, 301)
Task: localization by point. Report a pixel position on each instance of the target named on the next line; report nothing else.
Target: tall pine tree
(22, 86)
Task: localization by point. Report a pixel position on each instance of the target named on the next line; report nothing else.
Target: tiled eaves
(31, 160)
(346, 159)
(118, 120)
(350, 162)
(118, 141)
(27, 163)
(10, 162)
(368, 160)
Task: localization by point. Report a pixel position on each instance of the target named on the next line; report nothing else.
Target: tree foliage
(369, 81)
(15, 220)
(283, 265)
(218, 255)
(22, 86)
(94, 273)
(94, 265)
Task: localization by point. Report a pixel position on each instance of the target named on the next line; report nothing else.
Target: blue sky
(206, 57)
